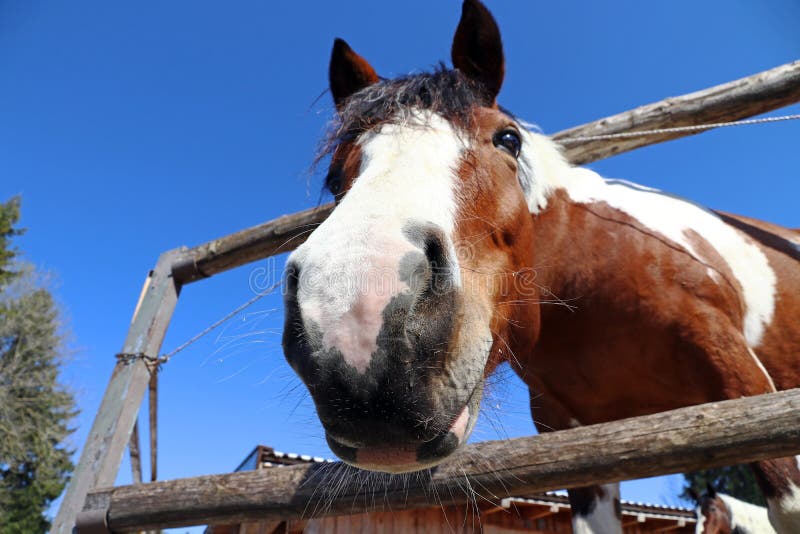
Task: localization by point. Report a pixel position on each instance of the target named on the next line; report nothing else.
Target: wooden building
(538, 514)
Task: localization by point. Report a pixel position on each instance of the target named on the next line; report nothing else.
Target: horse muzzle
(379, 363)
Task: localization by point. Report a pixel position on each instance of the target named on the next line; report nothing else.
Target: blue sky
(133, 128)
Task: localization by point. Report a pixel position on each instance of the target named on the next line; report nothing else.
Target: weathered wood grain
(745, 97)
(271, 238)
(741, 98)
(682, 440)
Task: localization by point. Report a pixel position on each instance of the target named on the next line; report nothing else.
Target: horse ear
(711, 490)
(477, 48)
(348, 72)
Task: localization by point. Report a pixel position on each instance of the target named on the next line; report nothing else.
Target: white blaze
(701, 521)
(349, 266)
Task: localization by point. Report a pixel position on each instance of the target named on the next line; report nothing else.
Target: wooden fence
(111, 431)
(689, 439)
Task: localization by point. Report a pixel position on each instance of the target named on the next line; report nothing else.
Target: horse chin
(405, 458)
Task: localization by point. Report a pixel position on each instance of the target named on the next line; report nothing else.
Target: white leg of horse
(596, 509)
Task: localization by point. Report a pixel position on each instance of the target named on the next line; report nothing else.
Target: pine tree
(735, 480)
(9, 215)
(34, 408)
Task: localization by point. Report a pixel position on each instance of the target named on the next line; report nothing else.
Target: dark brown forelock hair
(446, 92)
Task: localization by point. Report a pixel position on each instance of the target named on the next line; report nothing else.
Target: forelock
(445, 92)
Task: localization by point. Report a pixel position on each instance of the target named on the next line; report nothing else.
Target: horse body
(668, 304)
(461, 240)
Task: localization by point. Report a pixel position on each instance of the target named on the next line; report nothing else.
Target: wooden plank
(283, 234)
(111, 430)
(746, 97)
(710, 435)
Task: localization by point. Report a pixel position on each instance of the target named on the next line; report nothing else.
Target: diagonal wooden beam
(111, 430)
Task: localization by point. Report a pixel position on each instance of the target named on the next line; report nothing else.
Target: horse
(718, 513)
(456, 234)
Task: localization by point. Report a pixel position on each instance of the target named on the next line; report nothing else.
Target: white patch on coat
(543, 170)
(349, 266)
(714, 275)
(540, 164)
(749, 517)
(784, 513)
(763, 369)
(603, 519)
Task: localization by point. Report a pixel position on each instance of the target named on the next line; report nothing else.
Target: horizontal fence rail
(688, 439)
(745, 97)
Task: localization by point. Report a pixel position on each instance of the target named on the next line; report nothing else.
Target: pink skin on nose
(459, 427)
(355, 333)
(376, 458)
(405, 458)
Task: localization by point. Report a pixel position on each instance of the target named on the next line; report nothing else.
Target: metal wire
(677, 129)
(128, 358)
(165, 358)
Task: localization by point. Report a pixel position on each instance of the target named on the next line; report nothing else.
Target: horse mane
(446, 92)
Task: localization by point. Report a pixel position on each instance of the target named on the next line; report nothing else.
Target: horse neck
(562, 227)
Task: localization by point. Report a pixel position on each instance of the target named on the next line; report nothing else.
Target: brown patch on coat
(345, 166)
(775, 476)
(494, 237)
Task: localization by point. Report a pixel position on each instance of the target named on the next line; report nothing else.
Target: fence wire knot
(129, 357)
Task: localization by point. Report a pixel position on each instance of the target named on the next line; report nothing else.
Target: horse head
(408, 296)
(713, 515)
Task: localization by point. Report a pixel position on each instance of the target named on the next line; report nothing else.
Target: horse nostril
(439, 261)
(434, 251)
(295, 340)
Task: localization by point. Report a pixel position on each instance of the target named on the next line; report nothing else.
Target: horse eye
(508, 140)
(333, 181)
